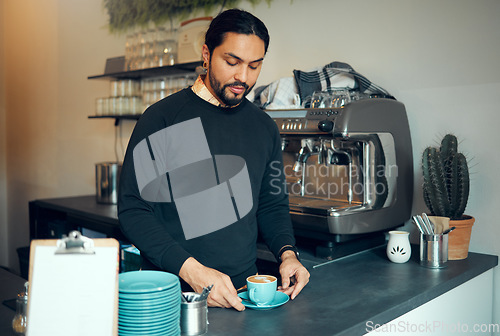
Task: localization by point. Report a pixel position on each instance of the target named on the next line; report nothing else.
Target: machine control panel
(304, 121)
(292, 125)
(323, 112)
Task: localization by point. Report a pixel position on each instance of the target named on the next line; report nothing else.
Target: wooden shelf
(114, 116)
(117, 117)
(176, 69)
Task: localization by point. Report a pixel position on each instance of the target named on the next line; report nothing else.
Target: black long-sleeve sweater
(179, 214)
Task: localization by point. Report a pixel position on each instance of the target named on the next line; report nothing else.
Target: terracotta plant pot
(459, 239)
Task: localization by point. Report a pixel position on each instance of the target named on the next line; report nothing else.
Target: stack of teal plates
(149, 303)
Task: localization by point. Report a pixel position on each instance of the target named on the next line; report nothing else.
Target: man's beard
(228, 99)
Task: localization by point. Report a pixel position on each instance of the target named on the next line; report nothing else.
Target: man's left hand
(291, 268)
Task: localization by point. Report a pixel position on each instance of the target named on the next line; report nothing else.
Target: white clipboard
(73, 287)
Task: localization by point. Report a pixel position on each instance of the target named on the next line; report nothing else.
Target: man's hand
(292, 268)
(223, 294)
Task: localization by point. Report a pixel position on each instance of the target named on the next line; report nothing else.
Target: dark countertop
(339, 300)
(344, 295)
(82, 206)
(341, 297)
(78, 209)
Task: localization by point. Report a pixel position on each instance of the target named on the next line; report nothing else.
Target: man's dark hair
(235, 21)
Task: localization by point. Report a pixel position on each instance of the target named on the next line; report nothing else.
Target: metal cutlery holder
(194, 315)
(434, 250)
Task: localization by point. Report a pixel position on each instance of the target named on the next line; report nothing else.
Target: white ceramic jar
(398, 246)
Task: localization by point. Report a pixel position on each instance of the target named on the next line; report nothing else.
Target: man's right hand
(223, 294)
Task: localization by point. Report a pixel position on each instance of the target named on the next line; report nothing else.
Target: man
(197, 181)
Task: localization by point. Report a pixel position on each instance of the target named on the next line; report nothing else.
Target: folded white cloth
(280, 94)
(293, 92)
(334, 76)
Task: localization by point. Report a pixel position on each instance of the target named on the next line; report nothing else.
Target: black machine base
(332, 250)
(331, 247)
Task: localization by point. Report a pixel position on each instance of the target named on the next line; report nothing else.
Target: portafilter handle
(322, 153)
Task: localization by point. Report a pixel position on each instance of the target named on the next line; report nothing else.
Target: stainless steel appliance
(349, 173)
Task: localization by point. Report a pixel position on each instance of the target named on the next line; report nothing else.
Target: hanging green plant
(126, 14)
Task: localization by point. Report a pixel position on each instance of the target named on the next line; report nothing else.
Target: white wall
(439, 57)
(465, 310)
(51, 47)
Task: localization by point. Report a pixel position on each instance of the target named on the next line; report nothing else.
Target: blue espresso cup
(261, 289)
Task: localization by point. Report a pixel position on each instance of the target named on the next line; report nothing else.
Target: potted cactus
(446, 191)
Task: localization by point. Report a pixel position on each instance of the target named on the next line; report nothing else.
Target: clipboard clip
(75, 243)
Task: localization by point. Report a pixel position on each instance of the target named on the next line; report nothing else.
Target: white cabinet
(464, 310)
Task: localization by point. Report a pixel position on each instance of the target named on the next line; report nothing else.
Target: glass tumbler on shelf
(170, 85)
(147, 84)
(112, 105)
(123, 105)
(161, 83)
(129, 88)
(151, 41)
(114, 88)
(135, 52)
(169, 50)
(129, 51)
(101, 107)
(135, 105)
(162, 94)
(159, 45)
(141, 60)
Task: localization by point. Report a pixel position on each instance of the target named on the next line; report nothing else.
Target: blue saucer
(280, 299)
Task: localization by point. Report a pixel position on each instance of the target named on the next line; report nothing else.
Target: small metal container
(107, 176)
(434, 250)
(194, 315)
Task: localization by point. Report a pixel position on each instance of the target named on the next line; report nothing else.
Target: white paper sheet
(72, 294)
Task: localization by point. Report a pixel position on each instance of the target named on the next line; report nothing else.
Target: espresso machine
(349, 173)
